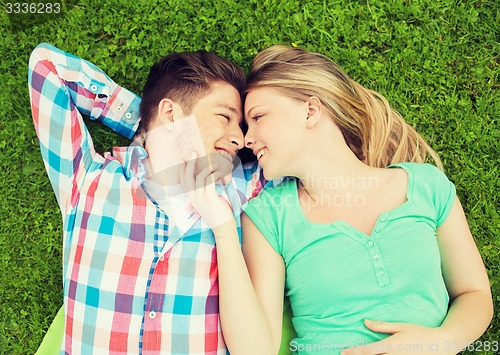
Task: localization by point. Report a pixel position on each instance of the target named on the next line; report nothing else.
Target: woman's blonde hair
(376, 133)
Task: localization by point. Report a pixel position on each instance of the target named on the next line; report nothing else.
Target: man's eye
(225, 116)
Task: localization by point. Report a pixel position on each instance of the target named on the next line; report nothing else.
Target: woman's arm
(471, 307)
(250, 299)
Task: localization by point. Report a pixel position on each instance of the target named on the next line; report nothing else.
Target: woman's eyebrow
(251, 109)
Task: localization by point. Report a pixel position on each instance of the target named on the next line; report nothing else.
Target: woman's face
(276, 124)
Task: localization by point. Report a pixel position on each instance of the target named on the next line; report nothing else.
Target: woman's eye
(225, 116)
(256, 117)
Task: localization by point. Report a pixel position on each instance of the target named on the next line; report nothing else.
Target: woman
(362, 231)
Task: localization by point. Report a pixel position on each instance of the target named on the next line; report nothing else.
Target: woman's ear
(314, 109)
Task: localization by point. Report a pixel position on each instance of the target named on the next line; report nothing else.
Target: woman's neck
(337, 172)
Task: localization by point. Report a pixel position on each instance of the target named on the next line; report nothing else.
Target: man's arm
(62, 87)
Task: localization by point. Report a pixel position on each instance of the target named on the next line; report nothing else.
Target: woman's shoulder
(429, 183)
(422, 171)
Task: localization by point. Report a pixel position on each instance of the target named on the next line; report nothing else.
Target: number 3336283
(33, 8)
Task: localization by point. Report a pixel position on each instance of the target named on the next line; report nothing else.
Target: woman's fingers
(199, 187)
(191, 181)
(205, 177)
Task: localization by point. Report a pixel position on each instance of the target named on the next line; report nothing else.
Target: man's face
(219, 117)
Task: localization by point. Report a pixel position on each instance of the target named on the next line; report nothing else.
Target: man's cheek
(188, 138)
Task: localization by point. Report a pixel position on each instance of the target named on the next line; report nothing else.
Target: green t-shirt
(337, 276)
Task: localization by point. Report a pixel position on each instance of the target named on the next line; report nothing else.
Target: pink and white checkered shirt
(131, 285)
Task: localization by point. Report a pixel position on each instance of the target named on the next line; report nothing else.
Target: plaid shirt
(130, 284)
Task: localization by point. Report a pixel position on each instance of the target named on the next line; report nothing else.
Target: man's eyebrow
(229, 107)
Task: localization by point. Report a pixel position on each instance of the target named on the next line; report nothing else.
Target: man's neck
(162, 168)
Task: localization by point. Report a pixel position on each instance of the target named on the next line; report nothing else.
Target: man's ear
(166, 111)
(314, 110)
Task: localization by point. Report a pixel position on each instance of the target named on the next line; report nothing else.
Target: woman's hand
(200, 189)
(404, 339)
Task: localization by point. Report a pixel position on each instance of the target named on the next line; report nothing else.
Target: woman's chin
(271, 175)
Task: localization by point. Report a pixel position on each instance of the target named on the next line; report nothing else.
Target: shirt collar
(131, 159)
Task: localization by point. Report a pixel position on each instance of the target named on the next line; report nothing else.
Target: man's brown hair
(185, 78)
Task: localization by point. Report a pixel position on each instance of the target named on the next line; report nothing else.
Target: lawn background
(435, 60)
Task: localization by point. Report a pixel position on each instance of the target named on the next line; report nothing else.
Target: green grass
(437, 61)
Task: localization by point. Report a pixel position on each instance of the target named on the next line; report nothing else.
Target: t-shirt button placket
(376, 257)
(378, 228)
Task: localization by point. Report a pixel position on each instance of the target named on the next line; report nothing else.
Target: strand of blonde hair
(376, 133)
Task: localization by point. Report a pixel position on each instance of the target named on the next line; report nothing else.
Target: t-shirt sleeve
(262, 211)
(444, 196)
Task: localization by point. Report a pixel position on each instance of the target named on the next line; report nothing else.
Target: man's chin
(222, 160)
(225, 167)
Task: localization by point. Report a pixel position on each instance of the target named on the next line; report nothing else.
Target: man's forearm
(61, 87)
(92, 92)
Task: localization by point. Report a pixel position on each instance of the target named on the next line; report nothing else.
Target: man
(137, 279)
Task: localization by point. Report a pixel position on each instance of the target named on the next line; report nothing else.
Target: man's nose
(236, 136)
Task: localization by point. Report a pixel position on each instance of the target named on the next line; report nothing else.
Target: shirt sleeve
(62, 87)
(444, 196)
(262, 211)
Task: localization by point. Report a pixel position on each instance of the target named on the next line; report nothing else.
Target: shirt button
(93, 87)
(119, 108)
(382, 219)
(128, 115)
(376, 256)
(377, 230)
(152, 314)
(381, 272)
(370, 243)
